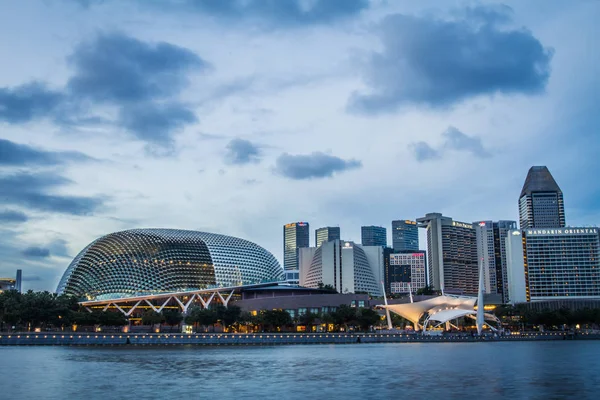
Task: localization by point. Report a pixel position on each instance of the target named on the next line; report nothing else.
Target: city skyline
(197, 119)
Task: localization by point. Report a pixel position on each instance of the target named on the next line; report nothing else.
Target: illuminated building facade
(407, 271)
(558, 263)
(452, 254)
(405, 235)
(154, 261)
(541, 201)
(326, 234)
(296, 235)
(491, 252)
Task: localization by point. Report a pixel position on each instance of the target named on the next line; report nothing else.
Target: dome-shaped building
(153, 261)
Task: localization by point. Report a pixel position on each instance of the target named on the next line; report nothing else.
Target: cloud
(241, 151)
(36, 252)
(34, 190)
(314, 165)
(119, 69)
(439, 62)
(27, 102)
(423, 151)
(156, 123)
(454, 140)
(12, 216)
(14, 154)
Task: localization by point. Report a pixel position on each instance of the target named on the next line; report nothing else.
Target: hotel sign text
(561, 231)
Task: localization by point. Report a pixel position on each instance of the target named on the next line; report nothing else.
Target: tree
(344, 315)
(308, 319)
(10, 308)
(112, 318)
(367, 318)
(172, 316)
(427, 290)
(327, 319)
(274, 320)
(151, 317)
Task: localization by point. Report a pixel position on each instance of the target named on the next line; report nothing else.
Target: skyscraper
(373, 236)
(295, 236)
(326, 234)
(452, 254)
(405, 235)
(541, 201)
(491, 251)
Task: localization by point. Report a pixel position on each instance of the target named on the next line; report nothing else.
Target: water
(522, 370)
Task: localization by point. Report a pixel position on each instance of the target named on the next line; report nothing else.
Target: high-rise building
(405, 235)
(296, 235)
(407, 271)
(491, 251)
(373, 236)
(346, 266)
(541, 201)
(557, 263)
(326, 234)
(452, 254)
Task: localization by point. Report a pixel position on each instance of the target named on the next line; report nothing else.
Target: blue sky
(237, 116)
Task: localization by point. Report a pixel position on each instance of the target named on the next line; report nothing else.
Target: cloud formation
(27, 102)
(454, 140)
(12, 216)
(36, 252)
(35, 191)
(15, 154)
(314, 165)
(141, 80)
(241, 151)
(439, 62)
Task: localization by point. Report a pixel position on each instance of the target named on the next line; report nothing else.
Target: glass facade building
(326, 234)
(153, 261)
(405, 235)
(541, 202)
(373, 236)
(296, 235)
(561, 263)
(406, 268)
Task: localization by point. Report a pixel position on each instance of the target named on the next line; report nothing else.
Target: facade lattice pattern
(153, 261)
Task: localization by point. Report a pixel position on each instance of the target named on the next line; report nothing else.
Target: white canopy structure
(440, 309)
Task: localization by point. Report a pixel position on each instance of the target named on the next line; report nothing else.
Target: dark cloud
(439, 62)
(32, 278)
(14, 154)
(314, 165)
(12, 216)
(35, 191)
(453, 140)
(36, 252)
(27, 102)
(156, 123)
(120, 69)
(241, 151)
(423, 151)
(280, 13)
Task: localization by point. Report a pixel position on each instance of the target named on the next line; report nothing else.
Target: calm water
(544, 370)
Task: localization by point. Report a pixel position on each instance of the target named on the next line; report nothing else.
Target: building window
(361, 303)
(292, 313)
(353, 303)
(314, 310)
(301, 311)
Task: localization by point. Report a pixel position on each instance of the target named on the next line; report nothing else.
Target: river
(521, 370)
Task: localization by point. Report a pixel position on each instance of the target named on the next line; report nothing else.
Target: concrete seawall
(258, 339)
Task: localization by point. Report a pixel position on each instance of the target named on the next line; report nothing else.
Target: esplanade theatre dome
(153, 261)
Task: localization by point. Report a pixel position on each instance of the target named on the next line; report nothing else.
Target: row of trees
(550, 319)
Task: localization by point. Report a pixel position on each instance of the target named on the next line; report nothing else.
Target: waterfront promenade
(260, 339)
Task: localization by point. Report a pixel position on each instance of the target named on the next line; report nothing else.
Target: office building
(541, 201)
(407, 271)
(516, 275)
(326, 234)
(491, 251)
(373, 236)
(405, 235)
(558, 263)
(295, 236)
(451, 253)
(345, 266)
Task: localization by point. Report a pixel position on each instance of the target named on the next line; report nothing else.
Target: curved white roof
(414, 311)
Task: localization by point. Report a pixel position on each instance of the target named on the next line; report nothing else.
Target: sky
(238, 116)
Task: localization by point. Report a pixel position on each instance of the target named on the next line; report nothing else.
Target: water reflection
(545, 370)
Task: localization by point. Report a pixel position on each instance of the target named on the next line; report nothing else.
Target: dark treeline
(550, 319)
